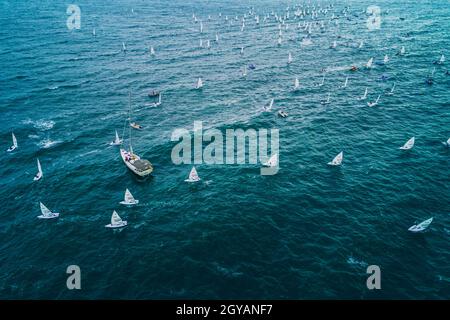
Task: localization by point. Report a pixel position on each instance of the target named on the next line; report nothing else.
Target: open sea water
(308, 232)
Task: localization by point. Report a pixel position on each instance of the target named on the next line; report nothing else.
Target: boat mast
(129, 119)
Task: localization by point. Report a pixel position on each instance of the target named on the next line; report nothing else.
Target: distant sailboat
(93, 32)
(279, 41)
(39, 174)
(442, 59)
(217, 37)
(129, 199)
(46, 213)
(402, 51)
(199, 84)
(193, 176)
(337, 160)
(373, 104)
(447, 143)
(345, 84)
(273, 161)
(289, 58)
(328, 99)
(296, 84)
(334, 45)
(244, 72)
(201, 43)
(408, 145)
(421, 226)
(369, 63)
(124, 47)
(242, 50)
(201, 27)
(386, 59)
(208, 44)
(14, 145)
(364, 97)
(152, 51)
(116, 221)
(361, 44)
(158, 103)
(390, 93)
(269, 107)
(117, 141)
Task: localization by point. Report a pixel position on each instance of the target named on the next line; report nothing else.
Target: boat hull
(130, 166)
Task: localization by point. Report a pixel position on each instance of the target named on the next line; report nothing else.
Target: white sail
(116, 219)
(199, 83)
(39, 174)
(129, 199)
(244, 72)
(447, 142)
(409, 144)
(346, 82)
(369, 63)
(269, 107)
(201, 43)
(242, 50)
(365, 95)
(442, 59)
(296, 83)
(290, 58)
(421, 226)
(386, 59)
(372, 104)
(402, 50)
(14, 140)
(279, 41)
(273, 161)
(193, 176)
(152, 51)
(392, 90)
(208, 44)
(361, 44)
(337, 160)
(217, 37)
(124, 47)
(117, 140)
(201, 27)
(45, 211)
(334, 45)
(93, 32)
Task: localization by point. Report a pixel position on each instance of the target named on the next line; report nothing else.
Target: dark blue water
(307, 232)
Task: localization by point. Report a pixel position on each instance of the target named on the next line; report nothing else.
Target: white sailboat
(441, 59)
(364, 97)
(39, 174)
(152, 51)
(390, 93)
(421, 226)
(46, 213)
(402, 51)
(361, 44)
(386, 59)
(199, 84)
(334, 45)
(14, 145)
(201, 43)
(93, 32)
(337, 160)
(117, 141)
(193, 176)
(129, 199)
(369, 63)
(272, 162)
(138, 166)
(373, 104)
(208, 44)
(116, 221)
(279, 41)
(296, 84)
(242, 50)
(408, 145)
(269, 107)
(244, 71)
(345, 83)
(201, 27)
(289, 58)
(447, 143)
(124, 47)
(328, 99)
(217, 37)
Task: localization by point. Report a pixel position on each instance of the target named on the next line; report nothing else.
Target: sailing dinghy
(373, 104)
(390, 93)
(364, 97)
(116, 221)
(14, 146)
(337, 160)
(447, 143)
(408, 145)
(269, 107)
(193, 176)
(296, 84)
(421, 226)
(117, 141)
(289, 58)
(386, 59)
(46, 213)
(199, 84)
(129, 199)
(38, 175)
(369, 63)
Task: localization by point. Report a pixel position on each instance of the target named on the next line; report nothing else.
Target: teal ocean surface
(308, 232)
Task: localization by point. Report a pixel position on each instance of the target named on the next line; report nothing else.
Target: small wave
(353, 261)
(48, 143)
(53, 87)
(33, 136)
(43, 125)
